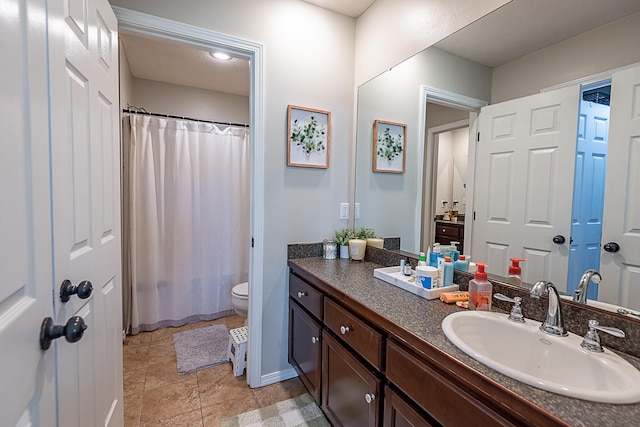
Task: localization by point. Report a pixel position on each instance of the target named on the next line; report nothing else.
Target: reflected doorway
(589, 184)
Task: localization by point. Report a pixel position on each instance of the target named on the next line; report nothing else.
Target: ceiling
(516, 29)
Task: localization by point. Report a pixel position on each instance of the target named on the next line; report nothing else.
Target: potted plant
(370, 236)
(342, 238)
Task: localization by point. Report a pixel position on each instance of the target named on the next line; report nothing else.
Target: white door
(27, 393)
(86, 207)
(621, 222)
(524, 184)
(62, 111)
(588, 194)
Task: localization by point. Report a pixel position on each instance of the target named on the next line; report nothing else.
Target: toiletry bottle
(448, 272)
(406, 269)
(433, 259)
(461, 264)
(454, 252)
(480, 290)
(440, 272)
(422, 260)
(515, 272)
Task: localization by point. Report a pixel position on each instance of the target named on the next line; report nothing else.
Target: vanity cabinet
(350, 390)
(447, 232)
(399, 412)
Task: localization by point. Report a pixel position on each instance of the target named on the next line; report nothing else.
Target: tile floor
(155, 395)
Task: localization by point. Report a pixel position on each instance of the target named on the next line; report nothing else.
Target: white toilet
(240, 299)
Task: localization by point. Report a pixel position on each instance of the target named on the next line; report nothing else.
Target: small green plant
(343, 236)
(388, 146)
(365, 233)
(310, 137)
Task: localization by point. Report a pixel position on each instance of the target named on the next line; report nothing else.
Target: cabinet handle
(444, 230)
(315, 339)
(302, 294)
(369, 397)
(344, 330)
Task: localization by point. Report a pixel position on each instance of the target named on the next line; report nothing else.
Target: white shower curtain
(188, 220)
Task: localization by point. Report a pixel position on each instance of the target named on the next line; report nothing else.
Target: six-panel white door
(621, 220)
(524, 184)
(86, 207)
(27, 393)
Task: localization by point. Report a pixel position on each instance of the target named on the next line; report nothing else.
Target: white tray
(393, 276)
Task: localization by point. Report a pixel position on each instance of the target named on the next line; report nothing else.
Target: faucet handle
(516, 310)
(591, 339)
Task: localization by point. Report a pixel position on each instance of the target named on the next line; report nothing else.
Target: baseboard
(276, 377)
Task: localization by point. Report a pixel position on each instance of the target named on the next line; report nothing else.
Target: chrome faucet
(553, 324)
(580, 294)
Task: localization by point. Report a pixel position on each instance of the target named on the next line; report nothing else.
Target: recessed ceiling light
(221, 56)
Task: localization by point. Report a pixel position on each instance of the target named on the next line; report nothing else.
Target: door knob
(559, 239)
(72, 331)
(67, 289)
(611, 247)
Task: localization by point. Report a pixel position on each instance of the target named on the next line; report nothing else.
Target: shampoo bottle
(515, 272)
(422, 260)
(461, 264)
(448, 271)
(480, 290)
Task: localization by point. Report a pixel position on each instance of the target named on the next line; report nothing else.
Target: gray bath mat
(300, 411)
(201, 348)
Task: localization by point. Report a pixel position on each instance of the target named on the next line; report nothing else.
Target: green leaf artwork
(389, 147)
(310, 137)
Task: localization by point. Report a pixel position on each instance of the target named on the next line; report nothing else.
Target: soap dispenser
(480, 290)
(515, 272)
(435, 254)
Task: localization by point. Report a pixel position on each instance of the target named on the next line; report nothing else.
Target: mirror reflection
(446, 85)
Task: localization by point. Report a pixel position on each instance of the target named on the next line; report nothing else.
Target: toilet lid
(241, 290)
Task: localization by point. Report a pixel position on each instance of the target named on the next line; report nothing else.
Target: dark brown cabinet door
(399, 413)
(305, 349)
(350, 391)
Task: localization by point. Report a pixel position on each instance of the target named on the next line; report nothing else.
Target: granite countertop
(422, 318)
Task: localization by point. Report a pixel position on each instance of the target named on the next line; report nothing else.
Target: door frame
(426, 170)
(133, 22)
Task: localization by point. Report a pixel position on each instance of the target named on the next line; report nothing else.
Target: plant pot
(375, 242)
(357, 248)
(344, 251)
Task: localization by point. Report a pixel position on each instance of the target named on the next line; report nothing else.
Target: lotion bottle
(515, 272)
(422, 259)
(461, 264)
(448, 272)
(435, 254)
(480, 290)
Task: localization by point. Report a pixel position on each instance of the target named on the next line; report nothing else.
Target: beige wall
(605, 48)
(391, 31)
(308, 61)
(190, 102)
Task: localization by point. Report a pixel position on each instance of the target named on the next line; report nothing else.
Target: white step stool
(237, 349)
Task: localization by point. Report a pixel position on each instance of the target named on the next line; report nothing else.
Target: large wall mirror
(522, 49)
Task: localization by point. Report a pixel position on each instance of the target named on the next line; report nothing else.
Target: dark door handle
(67, 289)
(72, 331)
(559, 239)
(611, 247)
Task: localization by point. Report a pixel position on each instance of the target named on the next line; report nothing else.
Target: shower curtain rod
(146, 113)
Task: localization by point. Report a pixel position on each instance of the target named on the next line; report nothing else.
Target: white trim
(130, 21)
(278, 376)
(594, 78)
(425, 172)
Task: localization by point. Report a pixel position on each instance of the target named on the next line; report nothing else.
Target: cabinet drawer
(443, 400)
(365, 340)
(306, 295)
(452, 231)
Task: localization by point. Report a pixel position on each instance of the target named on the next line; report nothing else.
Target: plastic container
(454, 253)
(440, 271)
(427, 276)
(515, 272)
(435, 254)
(422, 260)
(462, 264)
(448, 272)
(480, 290)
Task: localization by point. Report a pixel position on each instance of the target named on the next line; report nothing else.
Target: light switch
(344, 210)
(356, 211)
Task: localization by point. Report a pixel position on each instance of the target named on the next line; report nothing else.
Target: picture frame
(308, 137)
(389, 146)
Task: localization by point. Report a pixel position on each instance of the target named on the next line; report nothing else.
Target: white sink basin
(556, 364)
